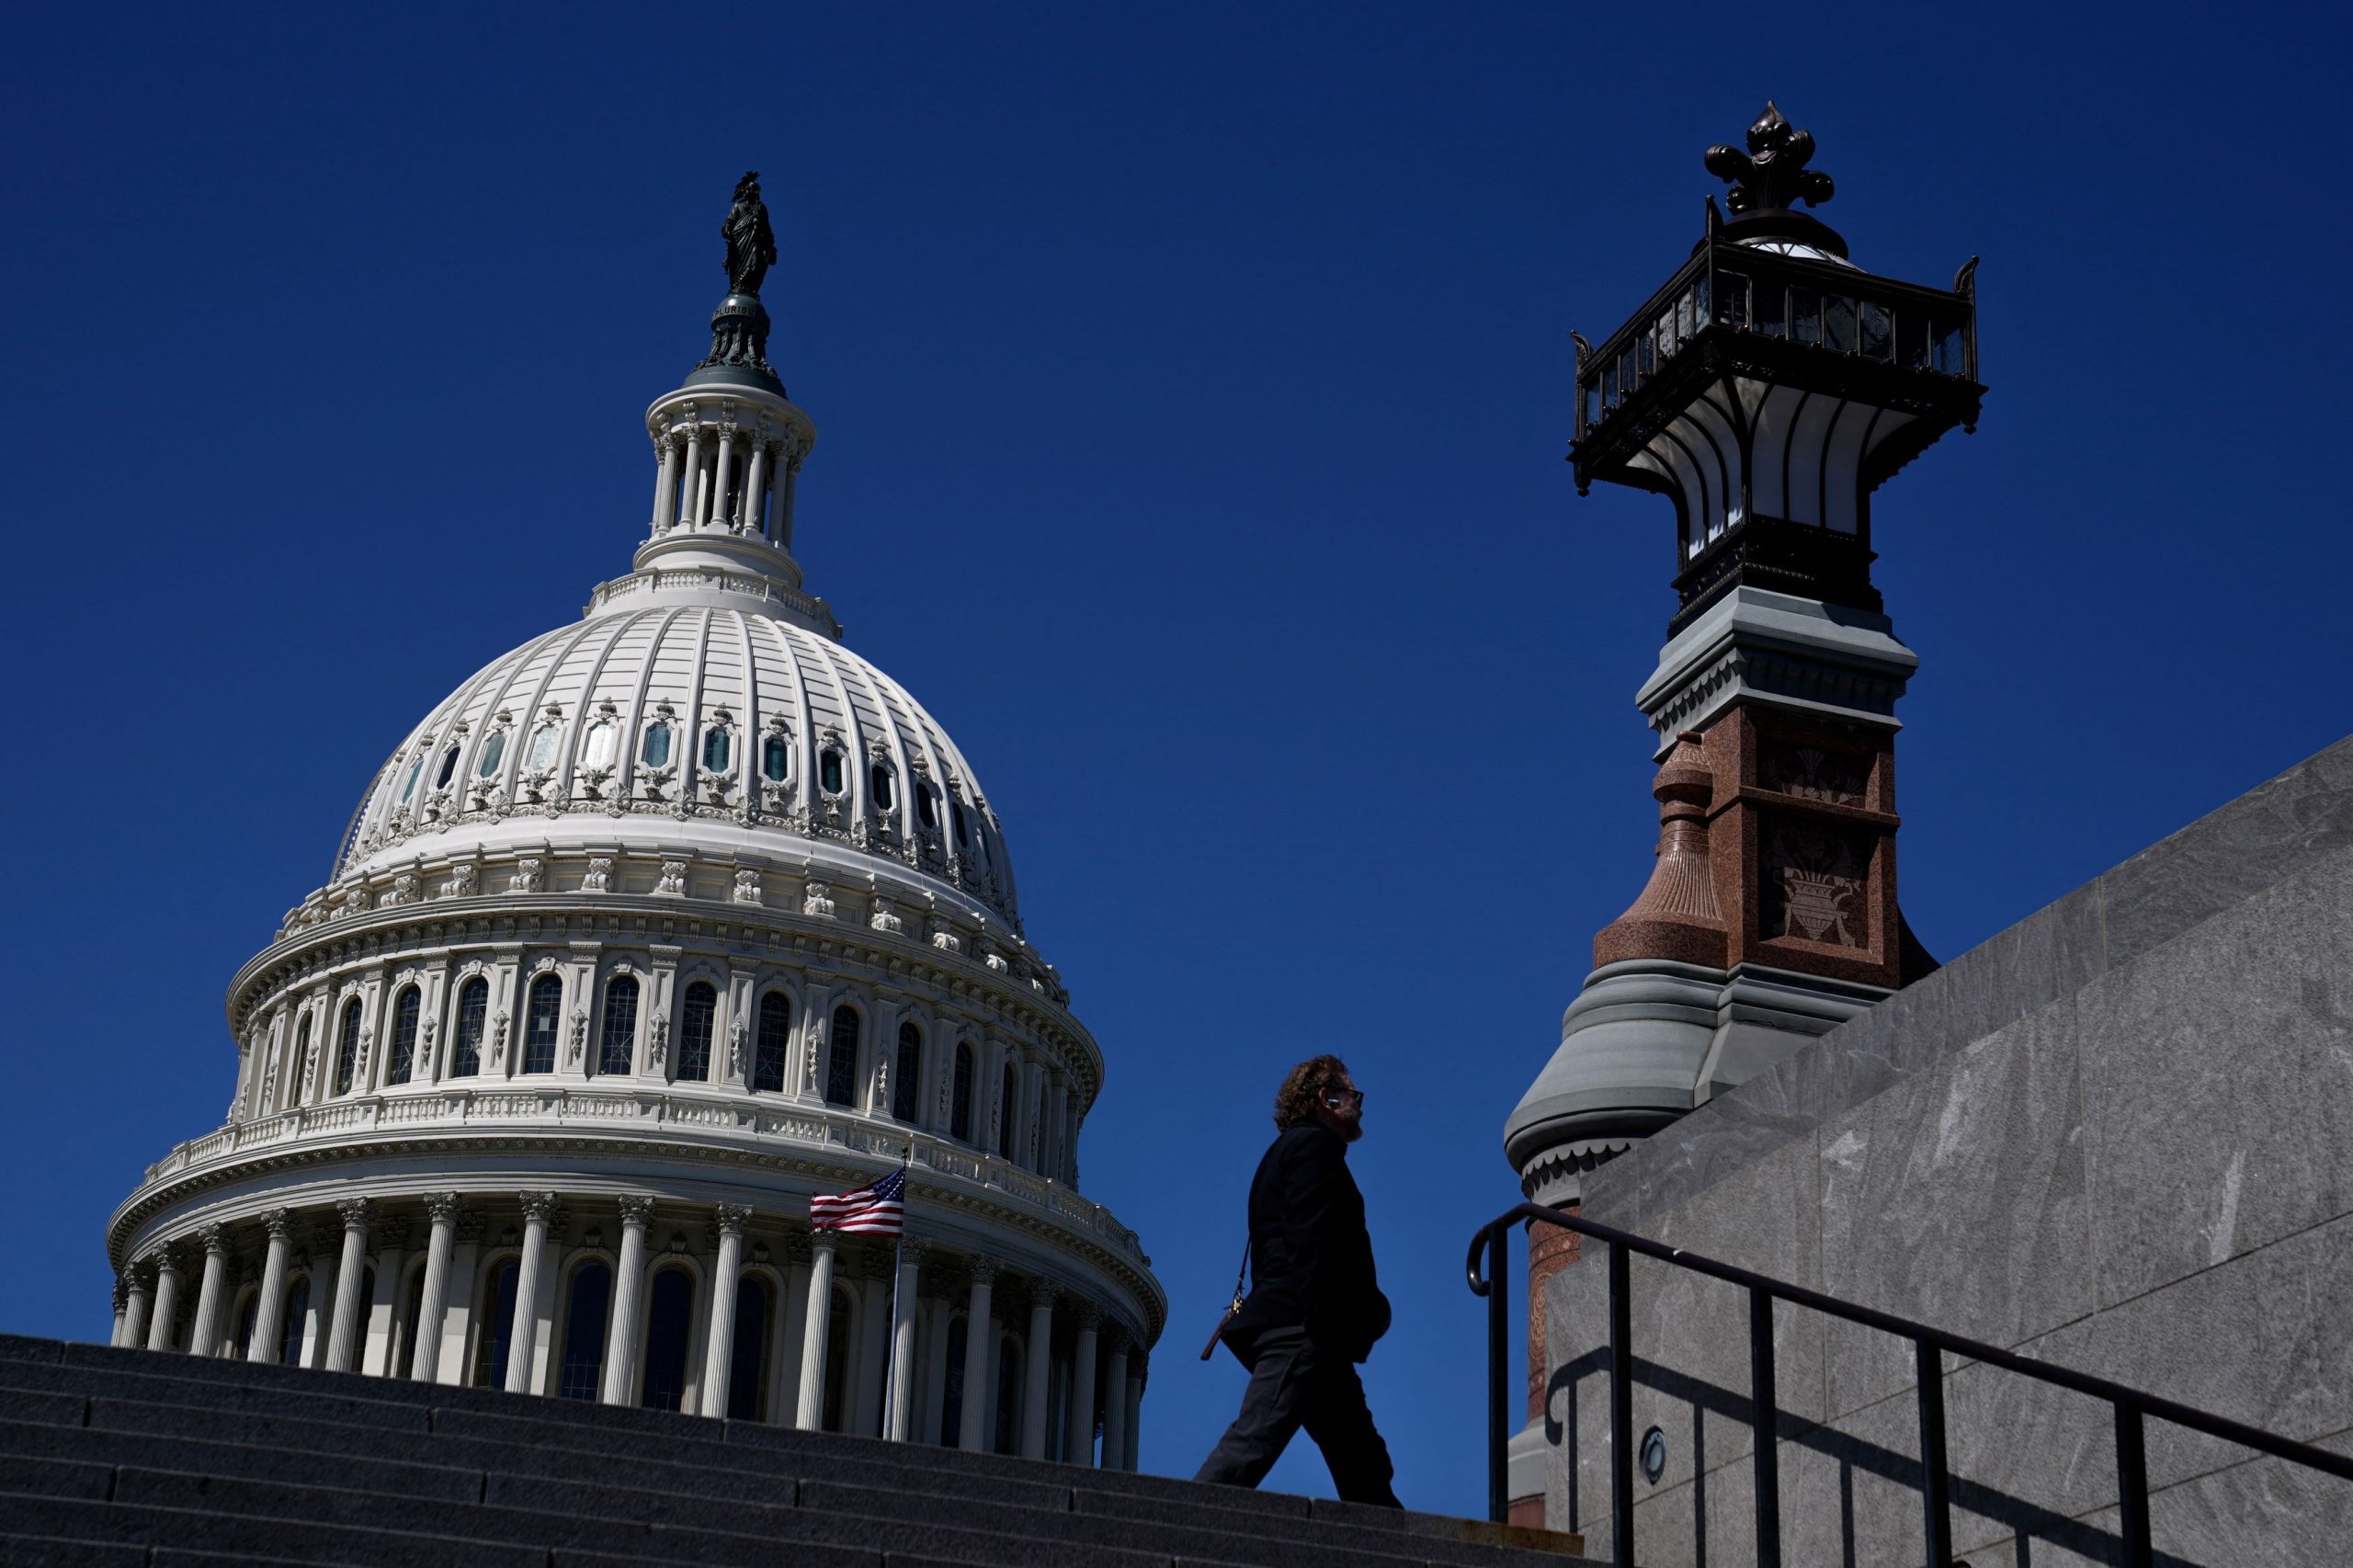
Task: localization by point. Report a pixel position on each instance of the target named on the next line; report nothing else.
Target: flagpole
(898, 1257)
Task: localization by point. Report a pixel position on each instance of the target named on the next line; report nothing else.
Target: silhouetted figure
(1314, 1307)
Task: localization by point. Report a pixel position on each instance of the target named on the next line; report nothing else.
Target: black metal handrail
(2133, 1407)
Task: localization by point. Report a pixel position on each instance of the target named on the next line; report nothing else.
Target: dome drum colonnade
(719, 1310)
(683, 905)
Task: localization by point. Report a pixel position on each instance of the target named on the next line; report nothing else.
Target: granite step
(332, 1451)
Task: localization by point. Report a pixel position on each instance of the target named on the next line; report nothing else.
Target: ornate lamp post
(1767, 388)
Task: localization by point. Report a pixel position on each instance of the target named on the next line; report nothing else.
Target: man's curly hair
(1304, 1088)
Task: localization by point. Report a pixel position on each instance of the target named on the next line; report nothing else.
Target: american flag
(878, 1208)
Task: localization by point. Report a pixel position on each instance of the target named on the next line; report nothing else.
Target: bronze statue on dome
(750, 243)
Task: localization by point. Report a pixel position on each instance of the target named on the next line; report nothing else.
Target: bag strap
(1241, 1274)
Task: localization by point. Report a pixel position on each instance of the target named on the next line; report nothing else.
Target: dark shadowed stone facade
(2117, 1135)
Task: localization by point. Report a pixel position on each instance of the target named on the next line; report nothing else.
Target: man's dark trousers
(1295, 1382)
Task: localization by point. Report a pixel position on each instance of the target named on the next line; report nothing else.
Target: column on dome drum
(211, 1304)
(972, 1434)
(811, 1412)
(424, 1355)
(718, 1354)
(268, 1320)
(1080, 1448)
(522, 1340)
(1115, 1403)
(901, 1413)
(1036, 1366)
(629, 1294)
(168, 1265)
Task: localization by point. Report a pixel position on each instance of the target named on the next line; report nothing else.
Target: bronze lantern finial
(1772, 174)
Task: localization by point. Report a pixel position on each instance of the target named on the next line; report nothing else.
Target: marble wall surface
(2117, 1135)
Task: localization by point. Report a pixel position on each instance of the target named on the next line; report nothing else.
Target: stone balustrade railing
(790, 1122)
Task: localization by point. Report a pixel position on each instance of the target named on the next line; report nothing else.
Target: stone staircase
(122, 1456)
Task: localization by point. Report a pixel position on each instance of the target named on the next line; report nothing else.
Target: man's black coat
(1311, 1262)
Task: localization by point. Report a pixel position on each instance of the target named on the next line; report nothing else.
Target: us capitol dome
(654, 927)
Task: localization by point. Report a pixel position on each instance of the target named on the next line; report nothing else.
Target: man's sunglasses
(1335, 1098)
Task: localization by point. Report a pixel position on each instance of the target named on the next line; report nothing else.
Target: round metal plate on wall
(1653, 1455)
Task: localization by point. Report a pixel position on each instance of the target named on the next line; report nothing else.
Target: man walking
(1314, 1308)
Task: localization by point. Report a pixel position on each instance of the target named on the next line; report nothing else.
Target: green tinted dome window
(880, 777)
(448, 766)
(829, 771)
(409, 788)
(599, 752)
(542, 754)
(717, 748)
(775, 759)
(656, 751)
(492, 750)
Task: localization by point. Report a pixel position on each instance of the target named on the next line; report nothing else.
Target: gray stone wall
(2119, 1136)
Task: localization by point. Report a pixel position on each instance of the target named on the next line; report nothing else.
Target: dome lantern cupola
(729, 444)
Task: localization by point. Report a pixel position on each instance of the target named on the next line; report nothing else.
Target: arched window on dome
(951, 1403)
(584, 1331)
(768, 1045)
(1006, 1106)
(408, 787)
(718, 750)
(696, 1015)
(448, 768)
(542, 1020)
(402, 1062)
(465, 1045)
(881, 780)
(241, 1339)
(617, 1041)
(747, 1366)
(829, 771)
(776, 759)
(906, 1074)
(928, 806)
(404, 1347)
(539, 756)
(597, 749)
(841, 1324)
(291, 1088)
(1008, 1394)
(669, 1324)
(347, 1047)
(960, 1108)
(291, 1324)
(956, 819)
(496, 1316)
(492, 750)
(656, 750)
(841, 1058)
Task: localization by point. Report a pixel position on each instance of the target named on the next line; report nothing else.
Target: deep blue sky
(1192, 384)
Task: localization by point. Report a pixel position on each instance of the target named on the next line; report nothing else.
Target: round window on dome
(718, 748)
(448, 766)
(829, 770)
(540, 753)
(409, 787)
(597, 751)
(656, 751)
(776, 759)
(492, 750)
(879, 776)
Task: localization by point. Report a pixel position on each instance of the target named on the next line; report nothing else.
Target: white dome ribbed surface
(611, 728)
